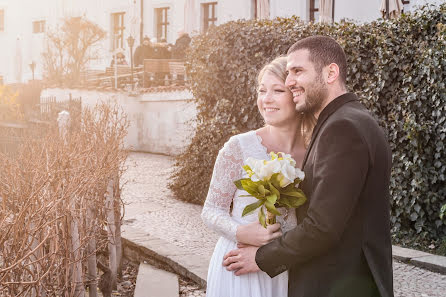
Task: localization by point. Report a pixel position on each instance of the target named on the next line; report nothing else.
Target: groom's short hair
(324, 50)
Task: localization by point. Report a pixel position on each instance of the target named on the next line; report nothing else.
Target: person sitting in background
(120, 59)
(181, 45)
(143, 51)
(161, 50)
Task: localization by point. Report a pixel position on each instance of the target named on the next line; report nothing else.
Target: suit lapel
(324, 115)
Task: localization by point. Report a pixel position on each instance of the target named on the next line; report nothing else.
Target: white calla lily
(300, 174)
(260, 184)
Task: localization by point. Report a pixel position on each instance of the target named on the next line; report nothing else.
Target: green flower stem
(270, 218)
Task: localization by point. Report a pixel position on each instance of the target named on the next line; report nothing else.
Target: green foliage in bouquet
(270, 194)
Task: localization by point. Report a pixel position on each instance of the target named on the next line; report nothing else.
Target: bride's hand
(254, 233)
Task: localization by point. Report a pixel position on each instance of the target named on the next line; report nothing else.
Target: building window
(314, 10)
(2, 20)
(162, 22)
(38, 26)
(209, 15)
(117, 20)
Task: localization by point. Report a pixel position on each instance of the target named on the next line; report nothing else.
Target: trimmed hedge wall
(398, 69)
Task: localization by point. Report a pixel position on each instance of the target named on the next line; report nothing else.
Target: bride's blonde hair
(277, 67)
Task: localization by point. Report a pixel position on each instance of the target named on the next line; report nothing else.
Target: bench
(158, 69)
(178, 72)
(123, 74)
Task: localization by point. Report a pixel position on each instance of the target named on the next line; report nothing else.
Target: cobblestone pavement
(150, 206)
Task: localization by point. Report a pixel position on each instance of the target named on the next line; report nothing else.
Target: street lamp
(131, 42)
(32, 66)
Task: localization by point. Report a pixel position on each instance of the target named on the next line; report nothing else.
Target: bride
(285, 131)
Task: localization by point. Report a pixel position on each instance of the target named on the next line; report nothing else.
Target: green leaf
(272, 198)
(262, 219)
(295, 202)
(250, 187)
(248, 170)
(274, 190)
(275, 181)
(284, 202)
(298, 193)
(238, 184)
(271, 208)
(251, 207)
(290, 187)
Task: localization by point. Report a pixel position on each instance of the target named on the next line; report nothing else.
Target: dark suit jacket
(341, 245)
(143, 52)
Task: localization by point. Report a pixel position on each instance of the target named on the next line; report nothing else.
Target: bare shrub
(52, 204)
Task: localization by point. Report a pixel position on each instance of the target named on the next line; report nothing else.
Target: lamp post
(131, 42)
(32, 66)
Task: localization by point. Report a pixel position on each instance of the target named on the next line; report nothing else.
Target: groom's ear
(332, 73)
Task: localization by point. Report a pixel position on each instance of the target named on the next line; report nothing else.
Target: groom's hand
(241, 260)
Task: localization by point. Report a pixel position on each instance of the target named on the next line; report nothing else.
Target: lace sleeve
(228, 168)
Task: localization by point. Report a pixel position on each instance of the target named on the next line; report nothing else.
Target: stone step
(153, 282)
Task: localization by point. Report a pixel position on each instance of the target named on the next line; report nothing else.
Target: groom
(341, 245)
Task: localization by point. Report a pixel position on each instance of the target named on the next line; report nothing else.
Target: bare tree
(70, 48)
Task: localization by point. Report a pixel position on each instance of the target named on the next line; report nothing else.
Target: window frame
(209, 19)
(162, 22)
(118, 28)
(254, 3)
(313, 10)
(38, 26)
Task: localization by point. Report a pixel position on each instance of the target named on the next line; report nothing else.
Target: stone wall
(161, 120)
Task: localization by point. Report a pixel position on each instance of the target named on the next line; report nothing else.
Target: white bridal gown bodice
(217, 215)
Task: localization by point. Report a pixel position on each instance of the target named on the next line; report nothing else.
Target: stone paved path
(151, 207)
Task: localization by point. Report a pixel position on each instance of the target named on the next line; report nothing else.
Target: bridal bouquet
(274, 183)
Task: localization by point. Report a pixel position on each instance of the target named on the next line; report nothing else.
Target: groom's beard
(316, 94)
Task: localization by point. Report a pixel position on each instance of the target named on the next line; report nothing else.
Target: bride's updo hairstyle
(278, 68)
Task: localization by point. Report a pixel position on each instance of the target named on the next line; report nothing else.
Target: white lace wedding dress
(217, 215)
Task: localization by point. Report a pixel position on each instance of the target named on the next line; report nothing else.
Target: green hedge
(397, 68)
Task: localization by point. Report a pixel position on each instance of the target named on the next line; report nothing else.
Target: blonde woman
(286, 131)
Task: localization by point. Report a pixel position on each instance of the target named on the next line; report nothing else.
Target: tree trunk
(79, 290)
(117, 206)
(91, 260)
(111, 230)
(35, 268)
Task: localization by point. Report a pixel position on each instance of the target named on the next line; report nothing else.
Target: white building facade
(23, 23)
